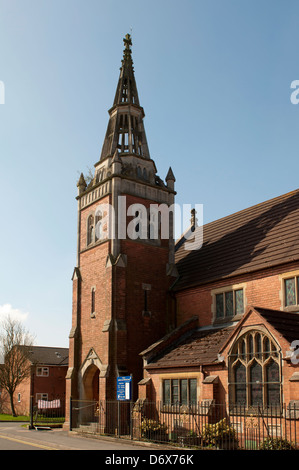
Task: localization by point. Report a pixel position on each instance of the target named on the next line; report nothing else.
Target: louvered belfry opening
(129, 137)
(125, 131)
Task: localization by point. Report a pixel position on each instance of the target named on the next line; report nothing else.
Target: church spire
(126, 91)
(125, 131)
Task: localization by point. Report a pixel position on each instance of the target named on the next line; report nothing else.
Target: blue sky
(214, 79)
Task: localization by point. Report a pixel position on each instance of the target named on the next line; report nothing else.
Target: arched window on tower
(144, 174)
(93, 302)
(98, 226)
(90, 230)
(254, 371)
(139, 172)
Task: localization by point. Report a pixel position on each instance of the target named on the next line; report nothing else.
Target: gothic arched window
(90, 230)
(254, 371)
(98, 226)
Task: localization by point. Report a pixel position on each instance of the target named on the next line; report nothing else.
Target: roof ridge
(289, 194)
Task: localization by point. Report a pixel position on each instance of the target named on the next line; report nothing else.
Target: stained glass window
(179, 391)
(240, 386)
(273, 388)
(219, 306)
(290, 292)
(239, 301)
(254, 371)
(258, 345)
(250, 346)
(184, 392)
(193, 390)
(229, 304)
(256, 390)
(166, 392)
(243, 349)
(175, 391)
(266, 347)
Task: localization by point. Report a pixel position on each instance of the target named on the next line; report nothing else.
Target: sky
(214, 78)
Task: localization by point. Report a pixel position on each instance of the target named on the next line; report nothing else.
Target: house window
(291, 291)
(180, 391)
(42, 371)
(19, 398)
(254, 371)
(229, 303)
(41, 396)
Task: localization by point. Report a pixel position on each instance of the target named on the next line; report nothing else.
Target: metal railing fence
(202, 425)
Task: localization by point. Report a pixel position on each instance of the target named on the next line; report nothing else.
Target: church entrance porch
(91, 387)
(109, 417)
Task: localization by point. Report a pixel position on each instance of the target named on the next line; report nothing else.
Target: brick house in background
(237, 306)
(46, 382)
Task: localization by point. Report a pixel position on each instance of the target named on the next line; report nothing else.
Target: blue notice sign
(124, 388)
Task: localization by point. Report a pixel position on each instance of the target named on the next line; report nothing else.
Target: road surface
(13, 436)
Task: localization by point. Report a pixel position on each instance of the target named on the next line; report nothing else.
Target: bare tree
(15, 342)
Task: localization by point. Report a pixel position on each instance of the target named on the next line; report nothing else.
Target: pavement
(59, 439)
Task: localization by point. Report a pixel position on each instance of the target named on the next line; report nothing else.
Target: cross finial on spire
(127, 51)
(127, 41)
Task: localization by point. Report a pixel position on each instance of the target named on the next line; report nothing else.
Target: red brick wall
(53, 385)
(220, 392)
(146, 264)
(119, 294)
(95, 275)
(262, 289)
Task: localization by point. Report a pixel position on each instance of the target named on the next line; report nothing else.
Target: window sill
(182, 409)
(291, 308)
(220, 321)
(250, 411)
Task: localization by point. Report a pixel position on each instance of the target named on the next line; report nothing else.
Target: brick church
(217, 323)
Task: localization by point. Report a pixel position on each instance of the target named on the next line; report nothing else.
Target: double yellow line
(40, 446)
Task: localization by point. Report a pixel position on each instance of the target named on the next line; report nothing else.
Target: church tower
(125, 258)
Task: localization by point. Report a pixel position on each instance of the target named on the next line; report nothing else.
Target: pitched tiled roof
(261, 236)
(200, 347)
(45, 355)
(286, 323)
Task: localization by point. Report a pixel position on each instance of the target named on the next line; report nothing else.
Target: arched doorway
(95, 385)
(90, 377)
(91, 383)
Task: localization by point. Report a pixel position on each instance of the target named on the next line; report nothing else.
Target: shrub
(220, 435)
(276, 443)
(151, 429)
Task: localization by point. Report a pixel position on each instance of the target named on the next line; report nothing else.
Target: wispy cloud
(15, 313)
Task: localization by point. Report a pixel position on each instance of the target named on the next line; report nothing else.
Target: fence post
(131, 419)
(118, 418)
(31, 413)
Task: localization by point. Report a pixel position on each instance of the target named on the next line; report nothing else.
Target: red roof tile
(201, 347)
(261, 236)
